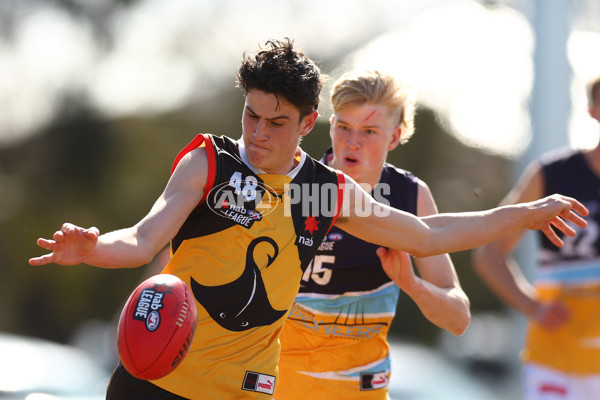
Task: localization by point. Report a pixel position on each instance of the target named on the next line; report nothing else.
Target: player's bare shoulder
(193, 168)
(425, 202)
(529, 187)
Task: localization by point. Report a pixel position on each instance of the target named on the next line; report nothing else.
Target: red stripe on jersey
(198, 141)
(340, 196)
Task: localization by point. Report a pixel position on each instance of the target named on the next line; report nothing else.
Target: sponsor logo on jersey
(254, 215)
(148, 305)
(243, 206)
(311, 225)
(256, 382)
(307, 241)
(373, 380)
(335, 236)
(330, 240)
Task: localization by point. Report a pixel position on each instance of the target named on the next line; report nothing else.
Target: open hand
(71, 245)
(555, 210)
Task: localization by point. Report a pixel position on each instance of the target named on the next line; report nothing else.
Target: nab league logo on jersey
(244, 200)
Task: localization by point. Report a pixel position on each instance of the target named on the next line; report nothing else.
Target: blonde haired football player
(334, 343)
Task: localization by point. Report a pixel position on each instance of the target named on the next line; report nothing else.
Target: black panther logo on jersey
(242, 304)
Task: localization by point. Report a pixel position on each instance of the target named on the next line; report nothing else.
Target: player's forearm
(447, 308)
(121, 249)
(449, 233)
(503, 276)
(440, 233)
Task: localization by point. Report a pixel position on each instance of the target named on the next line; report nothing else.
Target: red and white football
(156, 327)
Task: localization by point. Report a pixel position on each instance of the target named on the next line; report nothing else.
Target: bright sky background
(479, 83)
(472, 64)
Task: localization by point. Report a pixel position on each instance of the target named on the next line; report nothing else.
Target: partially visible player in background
(562, 351)
(334, 342)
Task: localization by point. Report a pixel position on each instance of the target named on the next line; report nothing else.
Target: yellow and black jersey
(243, 251)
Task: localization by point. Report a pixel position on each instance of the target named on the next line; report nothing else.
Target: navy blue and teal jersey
(571, 273)
(334, 343)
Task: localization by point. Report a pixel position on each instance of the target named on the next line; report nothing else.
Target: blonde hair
(360, 87)
(593, 91)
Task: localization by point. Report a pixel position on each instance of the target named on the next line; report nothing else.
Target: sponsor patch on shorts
(255, 382)
(373, 380)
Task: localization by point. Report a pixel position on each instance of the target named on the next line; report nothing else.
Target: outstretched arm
(437, 291)
(366, 219)
(136, 245)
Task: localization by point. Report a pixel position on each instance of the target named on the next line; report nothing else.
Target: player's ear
(331, 125)
(308, 122)
(395, 139)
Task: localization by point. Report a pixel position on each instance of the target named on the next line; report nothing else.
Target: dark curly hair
(286, 72)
